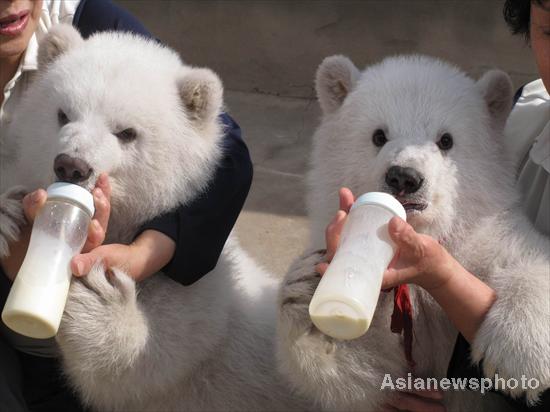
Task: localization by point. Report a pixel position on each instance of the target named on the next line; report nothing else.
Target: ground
(272, 226)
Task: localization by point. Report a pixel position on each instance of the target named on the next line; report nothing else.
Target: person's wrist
(138, 256)
(154, 250)
(438, 272)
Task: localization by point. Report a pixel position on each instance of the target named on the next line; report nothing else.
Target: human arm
(32, 203)
(187, 242)
(201, 228)
(506, 328)
(423, 261)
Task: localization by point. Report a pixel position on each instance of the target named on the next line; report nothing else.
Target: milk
(34, 293)
(344, 302)
(38, 295)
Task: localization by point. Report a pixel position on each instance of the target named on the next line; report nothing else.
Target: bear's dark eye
(445, 142)
(379, 138)
(62, 118)
(127, 135)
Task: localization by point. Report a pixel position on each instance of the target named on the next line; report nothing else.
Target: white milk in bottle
(346, 297)
(37, 298)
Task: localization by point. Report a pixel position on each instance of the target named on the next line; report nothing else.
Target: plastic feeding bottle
(345, 300)
(37, 298)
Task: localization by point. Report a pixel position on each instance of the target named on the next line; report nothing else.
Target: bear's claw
(12, 217)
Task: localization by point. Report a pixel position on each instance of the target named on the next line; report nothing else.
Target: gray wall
(275, 46)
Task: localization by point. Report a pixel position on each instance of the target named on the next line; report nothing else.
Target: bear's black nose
(404, 179)
(70, 169)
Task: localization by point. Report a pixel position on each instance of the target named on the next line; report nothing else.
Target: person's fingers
(32, 202)
(104, 184)
(96, 236)
(427, 393)
(407, 402)
(102, 208)
(332, 234)
(409, 242)
(346, 199)
(82, 264)
(321, 268)
(394, 260)
(393, 277)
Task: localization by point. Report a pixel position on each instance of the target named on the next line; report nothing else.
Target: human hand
(334, 228)
(417, 400)
(102, 204)
(34, 201)
(420, 259)
(148, 254)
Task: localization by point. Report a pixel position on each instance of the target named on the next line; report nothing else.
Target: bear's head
(125, 105)
(417, 128)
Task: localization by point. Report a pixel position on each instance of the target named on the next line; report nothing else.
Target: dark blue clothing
(461, 367)
(102, 15)
(199, 230)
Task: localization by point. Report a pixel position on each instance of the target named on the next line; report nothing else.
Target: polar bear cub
(128, 106)
(440, 132)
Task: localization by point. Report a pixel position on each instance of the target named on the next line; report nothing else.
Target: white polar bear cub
(128, 106)
(422, 130)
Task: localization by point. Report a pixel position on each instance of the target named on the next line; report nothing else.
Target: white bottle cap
(382, 199)
(78, 194)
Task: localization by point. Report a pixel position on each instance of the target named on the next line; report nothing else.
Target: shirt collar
(30, 61)
(536, 90)
(53, 12)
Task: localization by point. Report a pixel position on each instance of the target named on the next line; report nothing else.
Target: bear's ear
(201, 92)
(59, 39)
(336, 77)
(497, 90)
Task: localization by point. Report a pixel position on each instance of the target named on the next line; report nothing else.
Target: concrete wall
(275, 46)
(267, 52)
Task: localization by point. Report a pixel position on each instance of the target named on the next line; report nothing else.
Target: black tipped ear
(336, 77)
(497, 90)
(201, 91)
(59, 39)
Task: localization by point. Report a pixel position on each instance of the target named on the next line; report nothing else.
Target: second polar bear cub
(423, 131)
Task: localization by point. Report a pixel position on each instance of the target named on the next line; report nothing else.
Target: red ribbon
(401, 319)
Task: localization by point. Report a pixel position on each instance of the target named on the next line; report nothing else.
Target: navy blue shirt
(199, 229)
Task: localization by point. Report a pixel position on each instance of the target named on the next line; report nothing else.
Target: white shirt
(527, 140)
(53, 12)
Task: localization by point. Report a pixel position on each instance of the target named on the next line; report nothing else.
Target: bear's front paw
(512, 343)
(100, 292)
(103, 327)
(301, 280)
(296, 293)
(113, 286)
(12, 217)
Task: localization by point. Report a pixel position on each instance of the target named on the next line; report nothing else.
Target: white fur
(473, 209)
(104, 87)
(156, 345)
(206, 347)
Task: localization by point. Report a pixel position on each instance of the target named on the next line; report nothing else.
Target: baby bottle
(346, 297)
(37, 298)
